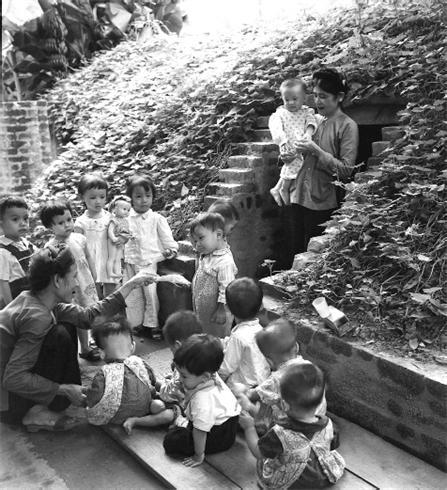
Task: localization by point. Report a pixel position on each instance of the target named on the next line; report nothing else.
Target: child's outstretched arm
(247, 422)
(90, 262)
(199, 437)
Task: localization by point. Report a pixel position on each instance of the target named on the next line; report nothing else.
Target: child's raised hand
(246, 420)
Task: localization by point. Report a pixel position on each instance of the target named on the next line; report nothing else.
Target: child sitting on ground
(278, 344)
(125, 386)
(215, 271)
(300, 451)
(243, 361)
(178, 328)
(211, 409)
(15, 249)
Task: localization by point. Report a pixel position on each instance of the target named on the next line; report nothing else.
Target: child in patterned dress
(152, 243)
(216, 269)
(290, 123)
(300, 451)
(57, 216)
(278, 344)
(125, 386)
(119, 233)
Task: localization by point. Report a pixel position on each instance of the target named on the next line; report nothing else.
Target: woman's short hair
(331, 81)
(52, 209)
(201, 353)
(46, 263)
(92, 181)
(180, 326)
(226, 209)
(210, 221)
(244, 297)
(141, 180)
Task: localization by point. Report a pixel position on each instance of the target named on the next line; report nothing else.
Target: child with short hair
(300, 451)
(15, 249)
(290, 123)
(211, 409)
(125, 386)
(215, 271)
(152, 243)
(178, 327)
(243, 361)
(278, 344)
(229, 213)
(57, 216)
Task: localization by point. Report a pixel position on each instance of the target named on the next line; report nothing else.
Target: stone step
(255, 148)
(262, 122)
(185, 248)
(379, 146)
(236, 175)
(367, 176)
(229, 190)
(374, 162)
(391, 133)
(262, 135)
(244, 161)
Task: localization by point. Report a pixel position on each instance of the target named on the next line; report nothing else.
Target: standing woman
(330, 156)
(39, 371)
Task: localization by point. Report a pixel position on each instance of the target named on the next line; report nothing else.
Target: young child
(277, 342)
(228, 212)
(15, 249)
(92, 188)
(243, 361)
(57, 216)
(211, 409)
(290, 123)
(215, 271)
(125, 386)
(152, 242)
(178, 328)
(118, 233)
(300, 452)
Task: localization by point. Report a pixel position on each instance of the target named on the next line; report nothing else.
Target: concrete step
(236, 175)
(244, 161)
(391, 133)
(262, 122)
(262, 135)
(255, 148)
(222, 189)
(379, 146)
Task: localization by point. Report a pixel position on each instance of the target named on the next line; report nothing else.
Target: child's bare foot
(129, 424)
(276, 196)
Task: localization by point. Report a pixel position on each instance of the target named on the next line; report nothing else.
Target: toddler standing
(300, 451)
(15, 249)
(57, 216)
(215, 271)
(289, 124)
(92, 188)
(152, 242)
(243, 361)
(211, 409)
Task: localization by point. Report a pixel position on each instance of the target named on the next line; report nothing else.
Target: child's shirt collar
(145, 215)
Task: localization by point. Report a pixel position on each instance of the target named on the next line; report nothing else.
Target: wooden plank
(382, 464)
(146, 445)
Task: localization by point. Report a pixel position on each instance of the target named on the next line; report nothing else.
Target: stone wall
(26, 148)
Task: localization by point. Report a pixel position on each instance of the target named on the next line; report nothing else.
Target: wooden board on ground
(385, 465)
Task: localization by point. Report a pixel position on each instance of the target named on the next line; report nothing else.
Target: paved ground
(83, 458)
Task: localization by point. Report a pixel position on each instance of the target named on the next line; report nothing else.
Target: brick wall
(26, 148)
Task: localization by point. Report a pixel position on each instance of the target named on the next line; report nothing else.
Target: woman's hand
(288, 154)
(307, 146)
(143, 278)
(74, 393)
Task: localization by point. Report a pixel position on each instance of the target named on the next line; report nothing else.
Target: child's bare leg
(284, 191)
(117, 263)
(162, 418)
(275, 192)
(112, 255)
(157, 406)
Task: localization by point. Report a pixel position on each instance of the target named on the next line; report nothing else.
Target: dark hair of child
(210, 221)
(302, 385)
(226, 209)
(277, 339)
(12, 202)
(244, 298)
(180, 326)
(330, 81)
(201, 353)
(92, 181)
(52, 209)
(116, 199)
(140, 180)
(118, 326)
(45, 264)
(293, 82)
